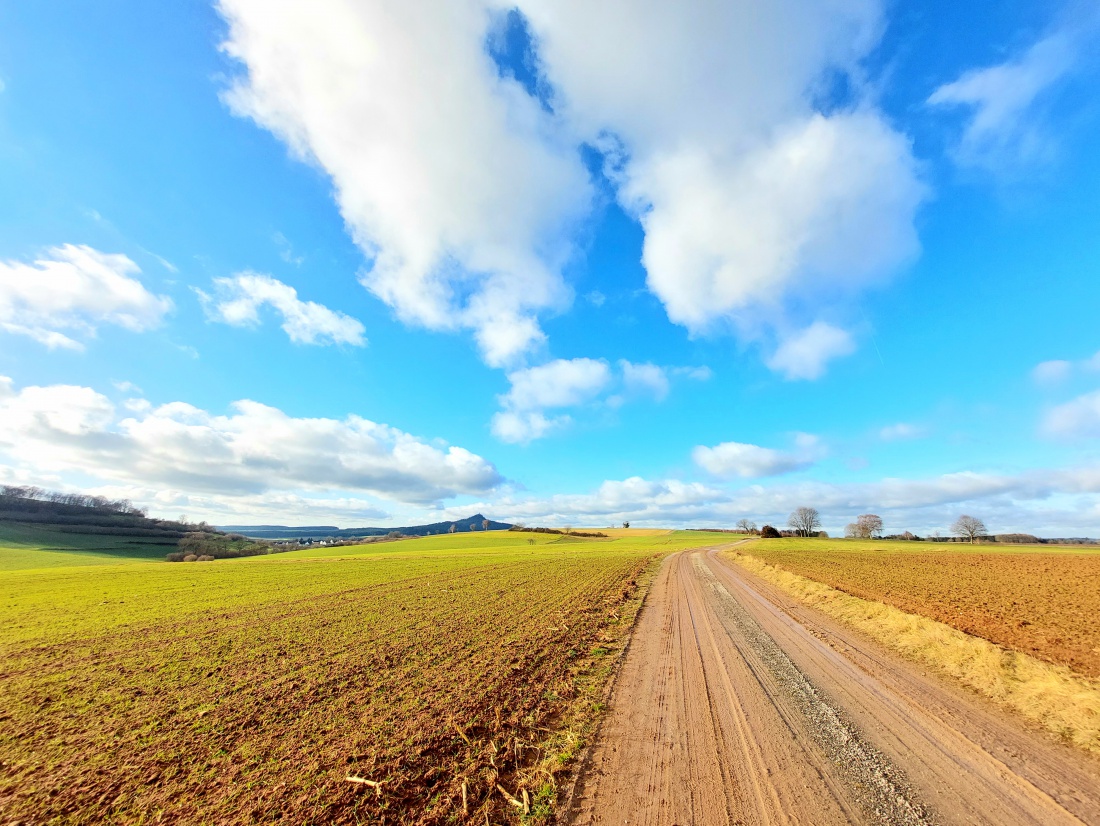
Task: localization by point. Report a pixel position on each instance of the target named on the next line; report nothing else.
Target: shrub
(190, 558)
(175, 556)
(768, 532)
(205, 558)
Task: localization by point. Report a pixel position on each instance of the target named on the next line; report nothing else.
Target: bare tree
(969, 527)
(452, 528)
(804, 521)
(866, 526)
(485, 524)
(746, 526)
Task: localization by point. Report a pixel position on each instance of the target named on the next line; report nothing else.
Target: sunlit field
(454, 673)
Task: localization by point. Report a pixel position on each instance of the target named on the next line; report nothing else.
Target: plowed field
(248, 691)
(1044, 604)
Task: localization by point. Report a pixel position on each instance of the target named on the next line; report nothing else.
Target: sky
(376, 263)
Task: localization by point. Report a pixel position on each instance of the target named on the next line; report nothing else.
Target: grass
(1053, 696)
(247, 690)
(24, 547)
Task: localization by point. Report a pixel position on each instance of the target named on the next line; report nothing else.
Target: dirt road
(735, 705)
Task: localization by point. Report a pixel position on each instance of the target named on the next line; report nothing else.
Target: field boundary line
(563, 809)
(564, 805)
(1053, 696)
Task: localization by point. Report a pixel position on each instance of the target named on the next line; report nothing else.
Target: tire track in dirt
(735, 706)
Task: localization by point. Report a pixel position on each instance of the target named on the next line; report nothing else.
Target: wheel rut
(734, 706)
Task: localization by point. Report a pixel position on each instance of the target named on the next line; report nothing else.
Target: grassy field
(242, 691)
(34, 546)
(1039, 602)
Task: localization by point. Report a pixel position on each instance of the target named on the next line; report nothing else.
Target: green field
(24, 547)
(247, 690)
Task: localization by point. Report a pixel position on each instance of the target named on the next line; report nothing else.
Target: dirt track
(735, 705)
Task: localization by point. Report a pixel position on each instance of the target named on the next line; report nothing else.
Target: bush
(768, 532)
(190, 558)
(176, 556)
(205, 558)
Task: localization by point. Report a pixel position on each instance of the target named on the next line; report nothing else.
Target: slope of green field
(24, 547)
(246, 690)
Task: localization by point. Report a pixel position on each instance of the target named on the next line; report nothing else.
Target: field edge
(1052, 696)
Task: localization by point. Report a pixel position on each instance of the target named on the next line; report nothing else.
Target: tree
(866, 526)
(768, 532)
(626, 524)
(485, 524)
(804, 521)
(452, 528)
(746, 526)
(969, 527)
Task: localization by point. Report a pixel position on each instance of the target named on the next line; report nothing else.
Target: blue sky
(561, 264)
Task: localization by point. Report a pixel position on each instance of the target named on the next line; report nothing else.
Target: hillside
(474, 522)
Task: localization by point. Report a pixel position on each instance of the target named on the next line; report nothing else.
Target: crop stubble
(438, 674)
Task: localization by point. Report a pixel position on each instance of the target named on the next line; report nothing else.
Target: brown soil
(1045, 605)
(736, 705)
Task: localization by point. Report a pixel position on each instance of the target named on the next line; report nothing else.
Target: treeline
(20, 497)
(82, 513)
(206, 546)
(561, 532)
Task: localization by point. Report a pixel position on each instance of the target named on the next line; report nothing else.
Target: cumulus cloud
(1054, 502)
(577, 382)
(455, 183)
(238, 301)
(1005, 126)
(747, 192)
(253, 450)
(805, 354)
(72, 290)
(465, 192)
(646, 379)
(1076, 419)
(747, 461)
(556, 384)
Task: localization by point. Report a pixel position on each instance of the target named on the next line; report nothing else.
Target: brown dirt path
(734, 705)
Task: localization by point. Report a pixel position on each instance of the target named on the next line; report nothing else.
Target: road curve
(735, 705)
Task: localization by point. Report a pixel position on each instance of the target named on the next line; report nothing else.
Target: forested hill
(475, 523)
(80, 513)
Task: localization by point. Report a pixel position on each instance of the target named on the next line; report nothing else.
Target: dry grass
(1063, 702)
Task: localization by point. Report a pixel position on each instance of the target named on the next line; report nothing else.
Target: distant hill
(325, 531)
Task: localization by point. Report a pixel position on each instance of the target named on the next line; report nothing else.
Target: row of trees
(102, 503)
(806, 521)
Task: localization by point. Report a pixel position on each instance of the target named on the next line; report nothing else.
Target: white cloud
(573, 383)
(451, 178)
(521, 427)
(238, 301)
(465, 192)
(1076, 419)
(556, 384)
(1051, 372)
(747, 194)
(747, 461)
(1049, 502)
(805, 354)
(645, 379)
(559, 383)
(1005, 125)
(254, 450)
(901, 431)
(73, 289)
